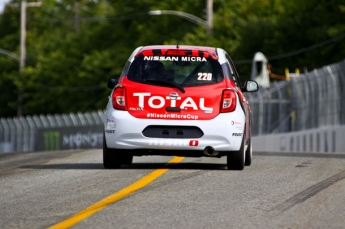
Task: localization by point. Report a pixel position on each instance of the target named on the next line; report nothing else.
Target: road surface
(72, 189)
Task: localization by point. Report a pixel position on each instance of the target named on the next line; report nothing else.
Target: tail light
(119, 98)
(228, 102)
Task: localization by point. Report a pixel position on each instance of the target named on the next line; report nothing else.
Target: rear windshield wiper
(167, 83)
(197, 68)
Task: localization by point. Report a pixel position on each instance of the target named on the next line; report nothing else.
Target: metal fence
(52, 132)
(311, 100)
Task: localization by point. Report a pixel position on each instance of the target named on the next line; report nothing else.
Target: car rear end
(187, 107)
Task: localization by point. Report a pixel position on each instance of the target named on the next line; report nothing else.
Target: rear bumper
(223, 133)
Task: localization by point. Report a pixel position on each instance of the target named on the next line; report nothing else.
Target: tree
(74, 47)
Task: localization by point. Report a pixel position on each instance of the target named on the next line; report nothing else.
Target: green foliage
(74, 47)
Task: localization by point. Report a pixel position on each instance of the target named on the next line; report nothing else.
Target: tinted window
(182, 70)
(234, 74)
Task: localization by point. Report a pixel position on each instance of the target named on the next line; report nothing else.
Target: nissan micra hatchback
(178, 100)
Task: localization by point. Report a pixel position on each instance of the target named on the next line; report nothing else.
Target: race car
(178, 101)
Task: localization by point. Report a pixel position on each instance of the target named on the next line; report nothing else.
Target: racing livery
(178, 100)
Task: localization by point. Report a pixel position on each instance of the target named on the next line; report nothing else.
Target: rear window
(181, 70)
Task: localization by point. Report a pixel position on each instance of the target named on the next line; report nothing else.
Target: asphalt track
(65, 189)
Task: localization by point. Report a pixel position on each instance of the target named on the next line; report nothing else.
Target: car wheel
(111, 157)
(127, 159)
(249, 153)
(235, 159)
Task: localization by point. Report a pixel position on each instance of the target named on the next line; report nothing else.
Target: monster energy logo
(52, 140)
(82, 140)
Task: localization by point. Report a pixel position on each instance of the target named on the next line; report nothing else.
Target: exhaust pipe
(209, 151)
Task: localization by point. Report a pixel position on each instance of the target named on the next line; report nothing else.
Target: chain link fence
(311, 100)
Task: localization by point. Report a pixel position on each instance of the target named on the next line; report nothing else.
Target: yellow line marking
(83, 214)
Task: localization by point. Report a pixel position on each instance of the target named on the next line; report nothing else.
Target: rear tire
(235, 159)
(249, 153)
(111, 157)
(127, 159)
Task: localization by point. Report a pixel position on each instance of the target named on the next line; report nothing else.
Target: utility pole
(77, 16)
(209, 15)
(22, 60)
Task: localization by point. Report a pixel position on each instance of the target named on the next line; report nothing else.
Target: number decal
(204, 76)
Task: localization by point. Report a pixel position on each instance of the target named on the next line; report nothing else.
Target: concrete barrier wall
(325, 139)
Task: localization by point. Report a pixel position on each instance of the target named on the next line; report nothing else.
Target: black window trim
(232, 67)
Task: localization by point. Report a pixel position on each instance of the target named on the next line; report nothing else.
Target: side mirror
(112, 83)
(250, 86)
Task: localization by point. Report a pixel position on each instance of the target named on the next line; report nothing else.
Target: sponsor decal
(237, 134)
(157, 102)
(176, 58)
(60, 140)
(136, 109)
(235, 123)
(193, 143)
(111, 124)
(175, 116)
(173, 142)
(51, 140)
(168, 142)
(82, 139)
